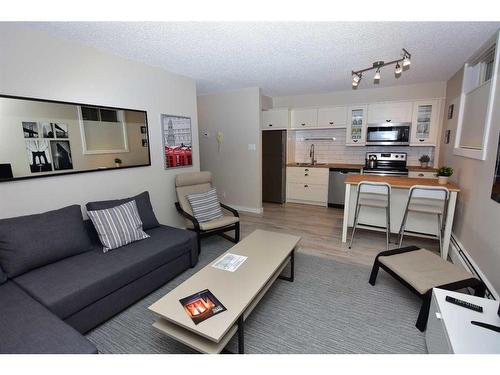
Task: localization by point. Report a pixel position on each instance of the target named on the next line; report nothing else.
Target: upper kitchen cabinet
(278, 118)
(394, 112)
(356, 126)
(304, 118)
(425, 123)
(332, 117)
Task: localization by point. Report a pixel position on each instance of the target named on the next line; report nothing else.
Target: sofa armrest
(230, 209)
(191, 218)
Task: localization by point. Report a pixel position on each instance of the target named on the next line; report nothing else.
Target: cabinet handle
(306, 174)
(354, 140)
(306, 170)
(420, 175)
(270, 125)
(421, 140)
(331, 122)
(306, 185)
(303, 124)
(387, 120)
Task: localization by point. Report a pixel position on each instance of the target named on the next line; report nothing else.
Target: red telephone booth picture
(177, 141)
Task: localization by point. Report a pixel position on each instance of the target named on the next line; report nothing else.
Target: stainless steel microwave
(388, 134)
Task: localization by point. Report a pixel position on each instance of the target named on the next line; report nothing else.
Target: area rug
(329, 308)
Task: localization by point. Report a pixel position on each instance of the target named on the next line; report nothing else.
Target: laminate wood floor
(321, 232)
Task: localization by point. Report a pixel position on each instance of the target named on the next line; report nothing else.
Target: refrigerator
(274, 166)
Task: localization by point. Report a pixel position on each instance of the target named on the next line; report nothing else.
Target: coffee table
(239, 291)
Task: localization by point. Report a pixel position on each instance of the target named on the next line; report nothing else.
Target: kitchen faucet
(311, 154)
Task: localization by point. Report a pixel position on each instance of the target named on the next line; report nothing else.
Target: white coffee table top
(266, 252)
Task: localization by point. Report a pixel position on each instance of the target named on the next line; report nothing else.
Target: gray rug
(330, 308)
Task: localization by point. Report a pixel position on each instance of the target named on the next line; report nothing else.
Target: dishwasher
(336, 185)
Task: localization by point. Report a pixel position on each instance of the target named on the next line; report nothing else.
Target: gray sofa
(56, 283)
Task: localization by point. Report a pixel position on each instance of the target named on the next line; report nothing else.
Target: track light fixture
(356, 78)
(402, 63)
(398, 69)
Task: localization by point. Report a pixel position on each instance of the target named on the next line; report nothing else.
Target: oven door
(388, 135)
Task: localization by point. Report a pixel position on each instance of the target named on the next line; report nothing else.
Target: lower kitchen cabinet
(307, 185)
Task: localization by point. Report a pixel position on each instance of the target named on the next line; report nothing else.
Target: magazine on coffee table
(201, 306)
(230, 262)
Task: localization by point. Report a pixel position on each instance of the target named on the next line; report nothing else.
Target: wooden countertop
(327, 165)
(417, 168)
(399, 182)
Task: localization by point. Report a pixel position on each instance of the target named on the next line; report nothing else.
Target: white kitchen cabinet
(356, 126)
(425, 123)
(332, 117)
(379, 113)
(304, 118)
(278, 118)
(422, 174)
(307, 185)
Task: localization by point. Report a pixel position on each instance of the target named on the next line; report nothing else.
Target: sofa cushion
(27, 327)
(27, 242)
(71, 284)
(144, 207)
(118, 226)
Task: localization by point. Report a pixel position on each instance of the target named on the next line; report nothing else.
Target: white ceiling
(285, 58)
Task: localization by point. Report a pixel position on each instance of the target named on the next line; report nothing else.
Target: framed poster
(177, 141)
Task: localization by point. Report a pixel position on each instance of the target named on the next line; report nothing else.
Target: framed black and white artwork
(177, 141)
(38, 155)
(495, 190)
(47, 130)
(30, 129)
(450, 111)
(61, 155)
(61, 130)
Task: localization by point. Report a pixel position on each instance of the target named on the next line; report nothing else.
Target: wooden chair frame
(206, 233)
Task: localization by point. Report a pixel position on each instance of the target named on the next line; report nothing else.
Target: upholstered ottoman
(420, 270)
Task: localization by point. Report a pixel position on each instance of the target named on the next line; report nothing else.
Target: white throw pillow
(205, 206)
(118, 226)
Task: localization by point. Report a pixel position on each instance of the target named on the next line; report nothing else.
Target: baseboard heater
(467, 263)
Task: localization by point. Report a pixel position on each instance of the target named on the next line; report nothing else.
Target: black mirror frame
(89, 170)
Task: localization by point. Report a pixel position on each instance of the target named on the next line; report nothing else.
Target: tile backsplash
(333, 151)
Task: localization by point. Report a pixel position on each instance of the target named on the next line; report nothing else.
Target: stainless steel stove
(386, 164)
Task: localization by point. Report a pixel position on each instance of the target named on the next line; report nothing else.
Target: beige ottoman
(421, 270)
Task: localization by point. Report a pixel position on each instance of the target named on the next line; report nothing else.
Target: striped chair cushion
(205, 206)
(118, 226)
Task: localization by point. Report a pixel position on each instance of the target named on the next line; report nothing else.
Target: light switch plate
(252, 147)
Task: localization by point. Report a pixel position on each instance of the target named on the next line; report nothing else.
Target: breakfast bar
(417, 224)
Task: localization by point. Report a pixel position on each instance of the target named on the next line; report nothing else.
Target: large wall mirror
(44, 138)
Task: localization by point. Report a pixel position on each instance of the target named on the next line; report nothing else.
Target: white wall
(236, 169)
(35, 64)
(360, 96)
(477, 216)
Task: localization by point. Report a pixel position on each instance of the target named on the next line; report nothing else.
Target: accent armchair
(200, 182)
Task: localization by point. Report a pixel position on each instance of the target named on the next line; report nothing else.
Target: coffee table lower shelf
(204, 345)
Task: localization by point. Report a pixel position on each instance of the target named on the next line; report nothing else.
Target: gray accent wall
(477, 217)
(36, 64)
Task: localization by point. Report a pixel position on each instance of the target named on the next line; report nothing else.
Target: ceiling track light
(356, 78)
(402, 63)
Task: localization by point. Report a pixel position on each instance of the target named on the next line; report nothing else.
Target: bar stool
(375, 195)
(426, 200)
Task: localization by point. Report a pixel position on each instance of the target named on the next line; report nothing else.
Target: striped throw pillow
(118, 226)
(205, 206)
